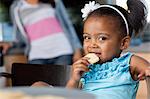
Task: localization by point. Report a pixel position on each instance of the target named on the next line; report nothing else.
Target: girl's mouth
(97, 53)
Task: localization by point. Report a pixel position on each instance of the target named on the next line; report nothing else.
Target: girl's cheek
(85, 48)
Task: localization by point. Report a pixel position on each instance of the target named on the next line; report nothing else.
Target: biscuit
(92, 58)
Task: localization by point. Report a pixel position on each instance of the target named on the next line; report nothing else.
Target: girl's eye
(86, 37)
(102, 38)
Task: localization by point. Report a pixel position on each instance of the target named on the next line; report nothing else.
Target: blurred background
(73, 8)
(139, 45)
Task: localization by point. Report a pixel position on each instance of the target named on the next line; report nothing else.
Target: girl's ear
(125, 42)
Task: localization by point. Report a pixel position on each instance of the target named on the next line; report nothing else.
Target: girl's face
(101, 36)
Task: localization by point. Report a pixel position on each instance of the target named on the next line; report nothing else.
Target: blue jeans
(61, 60)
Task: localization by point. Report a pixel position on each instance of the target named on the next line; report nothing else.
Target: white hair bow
(89, 8)
(122, 3)
(92, 5)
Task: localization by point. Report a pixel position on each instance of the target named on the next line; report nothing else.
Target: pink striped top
(45, 34)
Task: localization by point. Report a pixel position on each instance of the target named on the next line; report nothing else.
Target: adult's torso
(44, 32)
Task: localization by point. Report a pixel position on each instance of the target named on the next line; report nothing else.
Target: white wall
(148, 6)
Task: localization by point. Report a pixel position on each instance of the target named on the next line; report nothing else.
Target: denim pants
(61, 60)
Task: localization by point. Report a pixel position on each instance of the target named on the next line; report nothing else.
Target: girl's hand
(79, 68)
(144, 74)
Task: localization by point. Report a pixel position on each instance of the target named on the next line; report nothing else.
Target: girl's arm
(140, 68)
(73, 84)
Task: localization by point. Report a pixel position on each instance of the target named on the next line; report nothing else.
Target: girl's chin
(100, 62)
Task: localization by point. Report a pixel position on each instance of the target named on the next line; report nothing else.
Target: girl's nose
(94, 43)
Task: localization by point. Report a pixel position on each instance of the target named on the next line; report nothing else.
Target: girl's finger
(141, 76)
(80, 71)
(81, 66)
(82, 61)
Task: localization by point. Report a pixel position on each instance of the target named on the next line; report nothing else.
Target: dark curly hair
(135, 16)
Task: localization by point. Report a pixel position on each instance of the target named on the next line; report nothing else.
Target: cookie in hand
(92, 58)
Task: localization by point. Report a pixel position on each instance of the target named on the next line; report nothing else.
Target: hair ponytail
(136, 15)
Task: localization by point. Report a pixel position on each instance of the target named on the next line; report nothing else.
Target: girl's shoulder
(124, 58)
(137, 61)
(133, 59)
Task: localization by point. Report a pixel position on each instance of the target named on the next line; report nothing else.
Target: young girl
(107, 32)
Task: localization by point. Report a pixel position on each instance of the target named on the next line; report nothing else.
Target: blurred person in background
(47, 31)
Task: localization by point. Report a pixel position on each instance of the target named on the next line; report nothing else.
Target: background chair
(23, 74)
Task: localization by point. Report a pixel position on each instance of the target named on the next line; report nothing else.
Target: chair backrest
(24, 74)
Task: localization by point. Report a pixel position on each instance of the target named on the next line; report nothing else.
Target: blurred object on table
(43, 91)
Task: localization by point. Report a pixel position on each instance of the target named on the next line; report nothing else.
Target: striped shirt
(44, 31)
